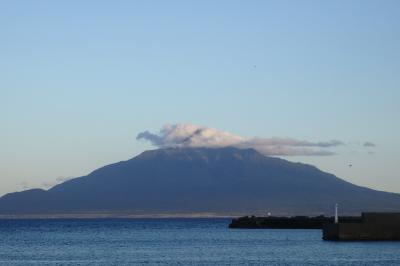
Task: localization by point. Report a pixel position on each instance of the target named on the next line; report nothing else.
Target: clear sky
(80, 79)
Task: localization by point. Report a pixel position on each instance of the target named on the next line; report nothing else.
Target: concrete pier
(373, 226)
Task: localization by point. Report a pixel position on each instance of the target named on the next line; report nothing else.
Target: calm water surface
(177, 242)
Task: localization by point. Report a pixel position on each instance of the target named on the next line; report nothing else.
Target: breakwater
(372, 226)
(294, 222)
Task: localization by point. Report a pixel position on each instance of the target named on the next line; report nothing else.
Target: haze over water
(177, 242)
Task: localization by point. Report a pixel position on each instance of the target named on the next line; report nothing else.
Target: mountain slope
(223, 180)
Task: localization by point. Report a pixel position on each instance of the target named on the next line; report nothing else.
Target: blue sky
(80, 79)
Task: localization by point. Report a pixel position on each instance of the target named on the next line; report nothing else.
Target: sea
(177, 241)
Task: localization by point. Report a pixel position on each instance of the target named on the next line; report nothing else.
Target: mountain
(202, 180)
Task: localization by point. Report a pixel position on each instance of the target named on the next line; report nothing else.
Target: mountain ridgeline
(202, 180)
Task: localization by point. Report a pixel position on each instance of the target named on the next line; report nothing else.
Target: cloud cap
(191, 135)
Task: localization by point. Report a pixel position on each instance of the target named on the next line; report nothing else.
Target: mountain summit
(202, 180)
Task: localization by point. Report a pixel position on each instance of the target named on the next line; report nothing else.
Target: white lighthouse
(336, 214)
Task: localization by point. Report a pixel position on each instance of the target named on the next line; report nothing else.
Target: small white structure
(336, 214)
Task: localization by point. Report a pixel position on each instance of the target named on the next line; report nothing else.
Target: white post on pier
(336, 214)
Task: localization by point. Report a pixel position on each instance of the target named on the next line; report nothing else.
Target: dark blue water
(177, 242)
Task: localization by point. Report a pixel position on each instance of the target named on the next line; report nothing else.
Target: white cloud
(189, 135)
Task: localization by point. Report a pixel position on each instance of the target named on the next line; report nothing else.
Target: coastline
(117, 216)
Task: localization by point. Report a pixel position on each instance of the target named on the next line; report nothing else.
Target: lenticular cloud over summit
(189, 135)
